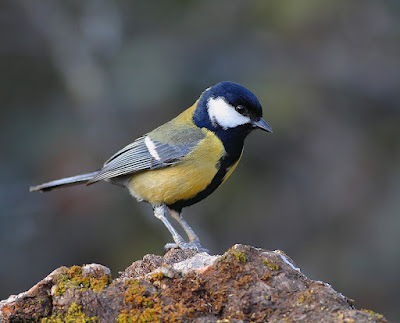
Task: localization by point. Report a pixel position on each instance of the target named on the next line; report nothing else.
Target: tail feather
(68, 181)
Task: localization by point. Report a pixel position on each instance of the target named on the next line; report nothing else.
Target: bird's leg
(189, 231)
(193, 238)
(159, 213)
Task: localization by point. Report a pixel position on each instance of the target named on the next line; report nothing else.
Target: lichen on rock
(245, 284)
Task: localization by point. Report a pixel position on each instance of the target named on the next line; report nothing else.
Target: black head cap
(236, 95)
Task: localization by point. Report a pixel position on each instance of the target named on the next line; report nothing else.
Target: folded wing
(143, 154)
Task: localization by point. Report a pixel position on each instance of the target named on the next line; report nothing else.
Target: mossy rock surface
(245, 284)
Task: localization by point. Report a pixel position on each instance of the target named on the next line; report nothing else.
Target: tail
(68, 181)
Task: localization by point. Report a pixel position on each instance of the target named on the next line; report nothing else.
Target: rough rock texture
(245, 284)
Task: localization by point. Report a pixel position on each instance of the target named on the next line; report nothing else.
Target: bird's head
(227, 106)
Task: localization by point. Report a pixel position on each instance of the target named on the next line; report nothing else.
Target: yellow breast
(183, 180)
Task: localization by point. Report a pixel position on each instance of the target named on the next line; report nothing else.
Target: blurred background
(81, 79)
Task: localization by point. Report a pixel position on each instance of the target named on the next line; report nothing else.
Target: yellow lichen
(60, 288)
(72, 277)
(158, 275)
(270, 265)
(240, 256)
(74, 314)
(376, 315)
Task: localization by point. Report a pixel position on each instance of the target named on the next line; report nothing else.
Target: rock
(245, 284)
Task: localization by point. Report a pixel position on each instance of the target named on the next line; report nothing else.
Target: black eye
(241, 109)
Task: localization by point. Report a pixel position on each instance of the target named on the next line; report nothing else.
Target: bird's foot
(186, 245)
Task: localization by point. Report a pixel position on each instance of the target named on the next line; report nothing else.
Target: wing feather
(137, 157)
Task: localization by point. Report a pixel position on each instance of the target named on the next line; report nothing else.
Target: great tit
(184, 160)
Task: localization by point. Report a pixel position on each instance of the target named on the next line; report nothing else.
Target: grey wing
(143, 154)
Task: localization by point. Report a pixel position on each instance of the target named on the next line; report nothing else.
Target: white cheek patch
(152, 148)
(225, 115)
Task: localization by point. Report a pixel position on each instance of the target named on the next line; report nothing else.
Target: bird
(184, 160)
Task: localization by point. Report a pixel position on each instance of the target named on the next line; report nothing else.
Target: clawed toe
(185, 245)
(170, 245)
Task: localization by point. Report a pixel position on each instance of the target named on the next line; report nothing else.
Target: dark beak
(261, 124)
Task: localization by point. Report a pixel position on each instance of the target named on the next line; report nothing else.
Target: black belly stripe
(233, 148)
(225, 163)
(231, 138)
